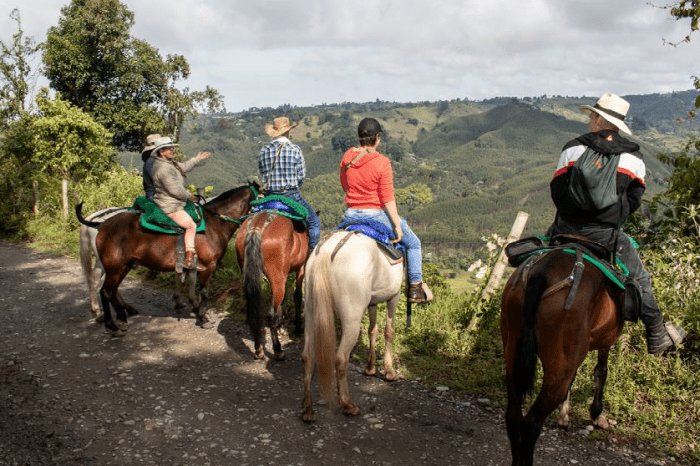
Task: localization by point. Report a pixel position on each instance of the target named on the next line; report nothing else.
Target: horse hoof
(309, 416)
(601, 423)
(260, 355)
(117, 333)
(281, 356)
(370, 371)
(351, 410)
(131, 311)
(207, 325)
(391, 376)
(99, 318)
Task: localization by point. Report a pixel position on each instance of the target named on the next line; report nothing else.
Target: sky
(267, 53)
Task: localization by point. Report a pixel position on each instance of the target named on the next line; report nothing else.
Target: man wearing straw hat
(283, 170)
(601, 222)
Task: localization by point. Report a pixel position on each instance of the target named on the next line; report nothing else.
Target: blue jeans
(312, 220)
(414, 259)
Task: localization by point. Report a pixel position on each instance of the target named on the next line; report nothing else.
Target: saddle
(154, 219)
(378, 232)
(526, 252)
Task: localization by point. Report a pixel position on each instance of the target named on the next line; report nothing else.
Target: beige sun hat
(151, 140)
(162, 143)
(279, 126)
(612, 108)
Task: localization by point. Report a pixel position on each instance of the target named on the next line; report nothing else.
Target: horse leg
(514, 419)
(389, 373)
(308, 414)
(552, 394)
(107, 296)
(201, 311)
(564, 411)
(347, 342)
(601, 375)
(372, 331)
(298, 302)
(274, 316)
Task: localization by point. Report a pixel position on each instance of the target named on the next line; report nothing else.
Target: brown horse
(272, 244)
(559, 307)
(122, 243)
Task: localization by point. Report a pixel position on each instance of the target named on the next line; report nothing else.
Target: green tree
(15, 71)
(92, 61)
(69, 143)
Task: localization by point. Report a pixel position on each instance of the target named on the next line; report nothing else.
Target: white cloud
(272, 52)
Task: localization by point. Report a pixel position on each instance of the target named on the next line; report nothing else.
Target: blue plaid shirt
(289, 170)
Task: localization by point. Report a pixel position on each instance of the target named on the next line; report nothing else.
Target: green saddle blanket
(154, 219)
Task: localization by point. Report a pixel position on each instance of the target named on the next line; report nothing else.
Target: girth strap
(573, 280)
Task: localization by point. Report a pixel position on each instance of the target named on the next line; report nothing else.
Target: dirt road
(169, 393)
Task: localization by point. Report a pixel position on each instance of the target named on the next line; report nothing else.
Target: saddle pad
(154, 219)
(282, 204)
(375, 230)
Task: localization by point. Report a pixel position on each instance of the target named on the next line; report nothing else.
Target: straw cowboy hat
(612, 108)
(162, 143)
(279, 126)
(151, 140)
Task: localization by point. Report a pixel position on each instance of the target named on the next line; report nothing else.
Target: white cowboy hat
(612, 108)
(162, 143)
(279, 126)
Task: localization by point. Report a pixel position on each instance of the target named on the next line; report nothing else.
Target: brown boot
(189, 259)
(419, 293)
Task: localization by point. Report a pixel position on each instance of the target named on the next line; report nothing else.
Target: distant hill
(483, 161)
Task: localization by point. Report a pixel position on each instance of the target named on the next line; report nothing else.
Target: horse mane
(224, 197)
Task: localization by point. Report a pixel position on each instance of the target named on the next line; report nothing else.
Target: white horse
(346, 273)
(92, 267)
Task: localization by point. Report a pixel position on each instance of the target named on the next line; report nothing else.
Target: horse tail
(525, 364)
(252, 277)
(79, 215)
(320, 326)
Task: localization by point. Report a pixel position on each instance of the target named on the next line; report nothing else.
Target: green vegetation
(462, 170)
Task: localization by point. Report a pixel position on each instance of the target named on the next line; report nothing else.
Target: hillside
(482, 161)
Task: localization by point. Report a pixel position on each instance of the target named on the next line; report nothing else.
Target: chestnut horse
(346, 274)
(272, 244)
(558, 306)
(123, 243)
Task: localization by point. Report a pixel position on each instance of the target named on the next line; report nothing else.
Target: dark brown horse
(559, 307)
(122, 243)
(272, 244)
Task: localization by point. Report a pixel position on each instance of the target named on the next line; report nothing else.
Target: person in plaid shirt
(283, 171)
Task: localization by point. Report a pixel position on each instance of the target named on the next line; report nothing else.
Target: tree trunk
(35, 208)
(64, 184)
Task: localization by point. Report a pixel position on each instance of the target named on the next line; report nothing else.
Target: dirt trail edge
(169, 393)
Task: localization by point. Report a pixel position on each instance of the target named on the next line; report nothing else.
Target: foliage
(15, 70)
(67, 141)
(91, 60)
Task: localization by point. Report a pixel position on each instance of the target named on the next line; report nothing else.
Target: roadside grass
(455, 342)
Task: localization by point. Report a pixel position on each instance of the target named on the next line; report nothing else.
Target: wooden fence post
(500, 267)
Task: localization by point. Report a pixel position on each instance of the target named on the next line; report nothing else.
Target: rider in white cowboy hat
(171, 194)
(603, 225)
(148, 187)
(283, 170)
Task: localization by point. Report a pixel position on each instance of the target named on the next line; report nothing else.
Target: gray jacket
(171, 194)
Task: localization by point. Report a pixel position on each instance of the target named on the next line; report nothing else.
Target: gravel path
(169, 393)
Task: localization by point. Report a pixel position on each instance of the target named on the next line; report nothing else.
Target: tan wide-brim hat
(279, 126)
(612, 108)
(151, 141)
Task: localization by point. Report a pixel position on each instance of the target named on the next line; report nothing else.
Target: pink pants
(183, 219)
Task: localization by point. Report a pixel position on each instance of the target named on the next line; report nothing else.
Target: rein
(229, 219)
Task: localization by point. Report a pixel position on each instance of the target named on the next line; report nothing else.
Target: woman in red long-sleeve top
(368, 181)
